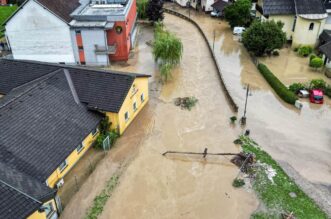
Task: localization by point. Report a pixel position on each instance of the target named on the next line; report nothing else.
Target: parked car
(316, 96)
(216, 13)
(238, 30)
(303, 93)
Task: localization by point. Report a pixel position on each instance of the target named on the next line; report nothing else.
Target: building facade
(76, 32)
(303, 20)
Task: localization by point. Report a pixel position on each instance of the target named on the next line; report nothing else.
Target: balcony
(105, 50)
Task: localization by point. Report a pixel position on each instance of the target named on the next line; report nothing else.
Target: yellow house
(50, 120)
(303, 20)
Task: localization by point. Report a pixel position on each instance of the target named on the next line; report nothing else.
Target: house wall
(34, 33)
(288, 21)
(71, 161)
(90, 38)
(3, 2)
(42, 215)
(206, 4)
(139, 87)
(303, 36)
(182, 2)
(123, 39)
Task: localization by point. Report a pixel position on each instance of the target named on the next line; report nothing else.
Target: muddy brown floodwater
(301, 139)
(154, 186)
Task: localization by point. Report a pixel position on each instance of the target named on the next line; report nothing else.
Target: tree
(264, 37)
(167, 50)
(154, 10)
(238, 13)
(316, 63)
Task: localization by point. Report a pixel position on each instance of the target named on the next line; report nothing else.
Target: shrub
(275, 53)
(317, 84)
(257, 38)
(141, 8)
(233, 119)
(113, 135)
(238, 183)
(316, 62)
(304, 51)
(296, 87)
(328, 91)
(312, 56)
(296, 49)
(282, 91)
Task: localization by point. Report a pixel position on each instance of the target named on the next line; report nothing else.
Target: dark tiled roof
(326, 49)
(220, 5)
(310, 7)
(14, 74)
(99, 89)
(284, 7)
(325, 36)
(14, 204)
(278, 7)
(62, 8)
(327, 4)
(42, 126)
(13, 186)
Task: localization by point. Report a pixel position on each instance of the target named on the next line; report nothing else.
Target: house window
(49, 210)
(80, 47)
(83, 63)
(142, 97)
(79, 148)
(311, 26)
(78, 32)
(63, 165)
(135, 106)
(126, 116)
(95, 131)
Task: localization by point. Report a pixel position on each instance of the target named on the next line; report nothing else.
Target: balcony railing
(109, 50)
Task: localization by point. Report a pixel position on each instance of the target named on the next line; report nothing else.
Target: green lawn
(276, 195)
(5, 12)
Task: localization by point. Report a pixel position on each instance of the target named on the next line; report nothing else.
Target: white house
(26, 30)
(205, 5)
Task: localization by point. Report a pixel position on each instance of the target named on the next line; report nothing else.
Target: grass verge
(275, 194)
(281, 90)
(5, 12)
(100, 200)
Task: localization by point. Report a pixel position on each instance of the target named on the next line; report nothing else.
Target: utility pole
(243, 119)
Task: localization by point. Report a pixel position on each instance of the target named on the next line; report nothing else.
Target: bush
(141, 8)
(233, 119)
(113, 135)
(257, 38)
(238, 183)
(304, 51)
(296, 87)
(275, 53)
(316, 62)
(317, 84)
(327, 91)
(312, 56)
(282, 91)
(296, 49)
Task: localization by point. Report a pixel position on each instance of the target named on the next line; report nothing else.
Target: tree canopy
(154, 10)
(238, 13)
(167, 50)
(264, 37)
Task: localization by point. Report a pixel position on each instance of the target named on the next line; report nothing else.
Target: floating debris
(186, 102)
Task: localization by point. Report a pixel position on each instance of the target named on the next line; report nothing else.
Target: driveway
(299, 139)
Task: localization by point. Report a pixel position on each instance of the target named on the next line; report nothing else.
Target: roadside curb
(233, 104)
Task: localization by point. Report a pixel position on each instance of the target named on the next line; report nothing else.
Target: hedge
(282, 91)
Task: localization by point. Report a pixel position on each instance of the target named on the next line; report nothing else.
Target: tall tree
(154, 10)
(238, 13)
(264, 37)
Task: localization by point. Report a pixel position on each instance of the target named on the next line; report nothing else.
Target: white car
(238, 30)
(303, 93)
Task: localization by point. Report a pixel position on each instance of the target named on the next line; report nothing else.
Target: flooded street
(300, 138)
(154, 186)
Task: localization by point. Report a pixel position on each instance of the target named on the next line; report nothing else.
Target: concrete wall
(71, 161)
(288, 21)
(303, 36)
(91, 37)
(34, 33)
(139, 87)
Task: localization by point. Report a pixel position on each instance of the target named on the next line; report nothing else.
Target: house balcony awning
(314, 16)
(105, 50)
(92, 24)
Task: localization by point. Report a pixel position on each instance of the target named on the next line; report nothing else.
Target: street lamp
(243, 119)
(188, 4)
